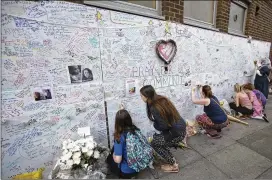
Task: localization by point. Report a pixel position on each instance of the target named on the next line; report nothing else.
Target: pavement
(242, 152)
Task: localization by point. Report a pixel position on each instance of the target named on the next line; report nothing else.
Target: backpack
(139, 151)
(260, 96)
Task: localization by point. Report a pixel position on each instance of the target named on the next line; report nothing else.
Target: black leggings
(240, 109)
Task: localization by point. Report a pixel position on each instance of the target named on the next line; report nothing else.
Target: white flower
(80, 142)
(66, 156)
(65, 166)
(70, 162)
(64, 143)
(85, 165)
(77, 161)
(90, 146)
(76, 155)
(96, 154)
(90, 153)
(65, 152)
(64, 147)
(71, 145)
(84, 149)
(75, 148)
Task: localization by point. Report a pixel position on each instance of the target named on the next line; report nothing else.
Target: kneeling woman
(123, 125)
(214, 118)
(168, 121)
(242, 103)
(256, 103)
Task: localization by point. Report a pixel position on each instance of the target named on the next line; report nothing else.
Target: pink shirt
(245, 101)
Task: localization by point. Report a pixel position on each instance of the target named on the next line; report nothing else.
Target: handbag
(113, 166)
(229, 117)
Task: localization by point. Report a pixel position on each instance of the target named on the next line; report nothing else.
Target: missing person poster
(132, 88)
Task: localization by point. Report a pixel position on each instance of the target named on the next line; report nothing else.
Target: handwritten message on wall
(61, 61)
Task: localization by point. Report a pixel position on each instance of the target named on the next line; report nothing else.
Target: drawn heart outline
(166, 50)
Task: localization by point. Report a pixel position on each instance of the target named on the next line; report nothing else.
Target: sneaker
(256, 117)
(265, 118)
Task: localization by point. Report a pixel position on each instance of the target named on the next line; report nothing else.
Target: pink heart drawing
(166, 50)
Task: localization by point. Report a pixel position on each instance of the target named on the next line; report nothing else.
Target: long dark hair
(207, 91)
(90, 74)
(165, 107)
(123, 123)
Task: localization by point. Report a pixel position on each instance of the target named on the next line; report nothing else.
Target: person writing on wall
(167, 120)
(214, 118)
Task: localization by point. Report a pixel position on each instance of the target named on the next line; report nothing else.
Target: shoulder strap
(219, 106)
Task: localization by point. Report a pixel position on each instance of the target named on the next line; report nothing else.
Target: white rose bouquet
(81, 157)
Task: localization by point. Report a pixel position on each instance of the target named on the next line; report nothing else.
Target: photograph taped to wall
(75, 74)
(42, 93)
(87, 74)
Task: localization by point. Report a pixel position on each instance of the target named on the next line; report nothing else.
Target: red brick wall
(258, 26)
(172, 10)
(222, 15)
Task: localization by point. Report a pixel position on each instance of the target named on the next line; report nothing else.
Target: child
(123, 125)
(256, 103)
(260, 96)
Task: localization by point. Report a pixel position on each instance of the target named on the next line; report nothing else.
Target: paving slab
(201, 169)
(145, 174)
(266, 175)
(183, 157)
(206, 146)
(237, 131)
(238, 161)
(260, 141)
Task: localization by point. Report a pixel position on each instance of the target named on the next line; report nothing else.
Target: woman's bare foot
(170, 168)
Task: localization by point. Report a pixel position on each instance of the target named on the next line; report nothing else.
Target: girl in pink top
(257, 104)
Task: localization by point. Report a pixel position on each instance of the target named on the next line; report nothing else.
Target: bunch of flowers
(80, 156)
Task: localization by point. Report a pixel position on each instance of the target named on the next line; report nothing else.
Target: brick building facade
(258, 23)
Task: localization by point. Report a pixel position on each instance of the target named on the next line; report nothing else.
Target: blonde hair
(237, 88)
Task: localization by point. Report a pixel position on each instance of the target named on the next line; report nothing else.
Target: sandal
(217, 136)
(170, 168)
(213, 134)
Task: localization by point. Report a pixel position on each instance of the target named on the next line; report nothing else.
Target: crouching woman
(214, 118)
